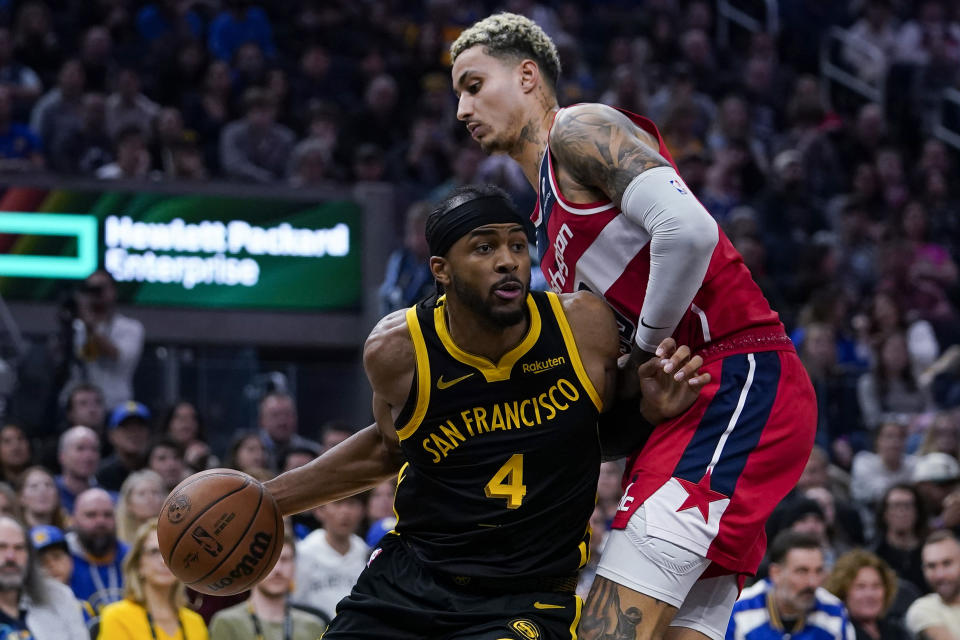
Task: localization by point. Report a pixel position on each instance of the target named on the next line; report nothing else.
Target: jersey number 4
(507, 482)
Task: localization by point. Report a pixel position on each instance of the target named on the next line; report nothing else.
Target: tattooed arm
(599, 151)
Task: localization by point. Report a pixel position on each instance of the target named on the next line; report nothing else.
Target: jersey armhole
(572, 350)
(421, 380)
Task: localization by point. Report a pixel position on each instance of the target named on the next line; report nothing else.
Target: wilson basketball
(220, 532)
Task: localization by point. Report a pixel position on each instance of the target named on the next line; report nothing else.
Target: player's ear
(440, 268)
(529, 75)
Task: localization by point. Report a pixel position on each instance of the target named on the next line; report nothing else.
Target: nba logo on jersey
(679, 186)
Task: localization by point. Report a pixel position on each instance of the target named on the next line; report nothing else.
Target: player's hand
(670, 382)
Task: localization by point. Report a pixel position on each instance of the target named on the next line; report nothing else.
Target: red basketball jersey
(591, 246)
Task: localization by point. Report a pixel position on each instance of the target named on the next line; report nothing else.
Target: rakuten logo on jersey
(556, 279)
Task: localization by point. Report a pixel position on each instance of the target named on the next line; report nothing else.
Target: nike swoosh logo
(446, 384)
(650, 326)
(540, 605)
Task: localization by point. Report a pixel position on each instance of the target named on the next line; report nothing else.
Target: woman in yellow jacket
(153, 604)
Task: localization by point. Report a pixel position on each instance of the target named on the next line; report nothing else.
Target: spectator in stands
(838, 413)
(128, 107)
(247, 453)
(268, 613)
(165, 457)
(128, 430)
(85, 406)
(376, 121)
(79, 455)
(919, 40)
(256, 148)
(208, 111)
(140, 501)
(309, 164)
(23, 82)
(791, 603)
(14, 453)
(873, 41)
(867, 586)
(97, 554)
(108, 343)
(278, 427)
(333, 433)
(238, 24)
(937, 615)
(885, 317)
(186, 162)
(96, 55)
(408, 277)
(890, 388)
(901, 528)
(929, 261)
(167, 23)
(330, 559)
(298, 456)
(20, 148)
(875, 471)
(132, 157)
(154, 600)
(943, 435)
(183, 425)
(52, 554)
(60, 108)
(40, 499)
(320, 79)
(380, 502)
(31, 604)
(935, 476)
(36, 44)
(85, 147)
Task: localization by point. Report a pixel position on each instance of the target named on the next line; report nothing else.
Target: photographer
(106, 344)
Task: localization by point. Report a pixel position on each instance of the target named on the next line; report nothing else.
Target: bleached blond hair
(510, 35)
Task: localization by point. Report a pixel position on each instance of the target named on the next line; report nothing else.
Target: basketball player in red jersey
(614, 217)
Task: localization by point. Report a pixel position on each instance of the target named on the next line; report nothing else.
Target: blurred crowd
(844, 209)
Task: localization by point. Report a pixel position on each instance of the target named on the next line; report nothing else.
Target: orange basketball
(220, 532)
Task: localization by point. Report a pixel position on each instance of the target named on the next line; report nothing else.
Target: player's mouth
(475, 129)
(508, 290)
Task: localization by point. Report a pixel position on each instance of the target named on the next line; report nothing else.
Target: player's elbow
(699, 235)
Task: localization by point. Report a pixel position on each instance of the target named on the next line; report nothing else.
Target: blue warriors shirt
(502, 457)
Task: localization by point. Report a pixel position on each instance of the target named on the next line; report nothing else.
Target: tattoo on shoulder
(602, 149)
(604, 619)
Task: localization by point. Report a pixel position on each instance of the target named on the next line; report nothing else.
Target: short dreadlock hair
(509, 35)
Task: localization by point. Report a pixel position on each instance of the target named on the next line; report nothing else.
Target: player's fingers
(700, 381)
(689, 368)
(677, 359)
(666, 348)
(649, 368)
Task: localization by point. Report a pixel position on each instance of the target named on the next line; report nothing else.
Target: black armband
(623, 429)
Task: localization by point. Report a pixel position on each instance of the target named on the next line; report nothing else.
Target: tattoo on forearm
(600, 147)
(604, 619)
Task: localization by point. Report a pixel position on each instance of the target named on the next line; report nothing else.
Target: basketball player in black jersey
(486, 400)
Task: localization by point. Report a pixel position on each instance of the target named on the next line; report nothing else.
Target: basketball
(220, 532)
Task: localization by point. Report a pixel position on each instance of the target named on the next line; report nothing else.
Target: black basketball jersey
(502, 458)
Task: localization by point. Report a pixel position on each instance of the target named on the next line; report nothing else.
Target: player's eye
(483, 248)
(473, 88)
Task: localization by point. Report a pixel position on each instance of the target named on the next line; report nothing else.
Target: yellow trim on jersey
(573, 351)
(491, 372)
(423, 376)
(395, 490)
(576, 618)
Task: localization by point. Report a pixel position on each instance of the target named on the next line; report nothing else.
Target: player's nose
(464, 107)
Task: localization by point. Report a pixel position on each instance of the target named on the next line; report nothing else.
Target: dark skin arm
(664, 394)
(372, 455)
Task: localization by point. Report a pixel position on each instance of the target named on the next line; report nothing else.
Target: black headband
(461, 220)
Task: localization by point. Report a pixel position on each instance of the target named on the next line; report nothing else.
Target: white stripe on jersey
(566, 207)
(704, 326)
(736, 414)
(611, 251)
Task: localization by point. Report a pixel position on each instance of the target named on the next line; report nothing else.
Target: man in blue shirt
(97, 554)
(791, 603)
